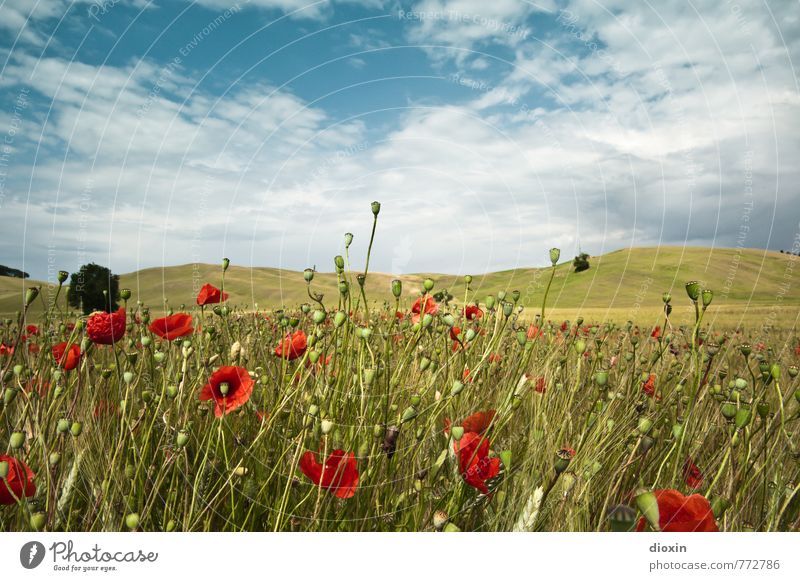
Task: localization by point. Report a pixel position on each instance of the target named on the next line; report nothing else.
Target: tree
(86, 289)
(12, 272)
(581, 262)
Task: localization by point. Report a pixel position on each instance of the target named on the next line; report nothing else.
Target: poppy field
(431, 412)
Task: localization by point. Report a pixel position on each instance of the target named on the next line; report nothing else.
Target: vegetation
(93, 288)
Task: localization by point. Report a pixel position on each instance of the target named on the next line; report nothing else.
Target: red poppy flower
(473, 461)
(18, 483)
(467, 375)
(210, 295)
(472, 312)
(338, 475)
(423, 305)
(534, 331)
(293, 346)
(172, 327)
(479, 422)
(106, 328)
(32, 330)
(540, 385)
(692, 474)
(564, 326)
(682, 514)
(6, 349)
(649, 386)
(454, 333)
(33, 348)
(230, 388)
(495, 358)
(68, 359)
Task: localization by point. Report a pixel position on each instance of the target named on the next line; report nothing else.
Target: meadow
(422, 403)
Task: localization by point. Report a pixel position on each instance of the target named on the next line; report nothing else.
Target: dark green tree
(581, 262)
(86, 289)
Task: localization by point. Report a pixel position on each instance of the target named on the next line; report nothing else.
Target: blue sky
(140, 134)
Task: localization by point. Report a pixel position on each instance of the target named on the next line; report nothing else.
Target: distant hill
(13, 272)
(626, 284)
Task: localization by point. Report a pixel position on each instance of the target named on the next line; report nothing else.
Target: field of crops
(433, 411)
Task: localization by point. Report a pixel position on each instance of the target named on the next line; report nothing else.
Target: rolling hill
(622, 285)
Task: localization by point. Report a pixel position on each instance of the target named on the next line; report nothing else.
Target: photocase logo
(31, 554)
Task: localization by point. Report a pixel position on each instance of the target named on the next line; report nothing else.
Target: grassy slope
(626, 284)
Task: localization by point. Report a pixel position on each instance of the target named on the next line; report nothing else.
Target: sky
(144, 133)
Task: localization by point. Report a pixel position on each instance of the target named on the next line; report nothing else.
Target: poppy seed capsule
(348, 239)
(376, 208)
(339, 318)
(580, 347)
(745, 349)
(343, 288)
(308, 275)
(132, 521)
(338, 262)
(508, 308)
(490, 302)
(326, 427)
(601, 378)
(457, 388)
(62, 276)
(457, 432)
(427, 284)
(775, 371)
(397, 288)
(16, 440)
(555, 254)
(621, 518)
(449, 319)
(793, 371)
(666, 297)
(707, 295)
(563, 458)
(31, 295)
(743, 417)
(38, 520)
(54, 459)
(470, 335)
(76, 428)
(468, 279)
(693, 290)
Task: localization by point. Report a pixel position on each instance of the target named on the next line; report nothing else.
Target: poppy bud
(647, 503)
(743, 417)
(62, 426)
(225, 264)
(132, 520)
(666, 297)
(9, 395)
(601, 378)
(343, 288)
(348, 239)
(522, 337)
(440, 519)
(3, 470)
(54, 459)
(376, 208)
(507, 309)
(326, 426)
(490, 302)
(172, 391)
(708, 295)
(580, 346)
(318, 317)
(338, 261)
(457, 432)
(308, 275)
(16, 440)
(505, 458)
(693, 290)
(457, 388)
(448, 319)
(415, 400)
(470, 335)
(468, 279)
(75, 429)
(397, 288)
(775, 371)
(515, 295)
(408, 414)
(31, 295)
(339, 318)
(427, 320)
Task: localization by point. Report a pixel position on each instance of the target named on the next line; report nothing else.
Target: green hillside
(626, 284)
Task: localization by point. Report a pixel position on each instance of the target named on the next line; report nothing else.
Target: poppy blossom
(534, 332)
(6, 349)
(479, 422)
(472, 312)
(106, 328)
(564, 327)
(338, 475)
(656, 332)
(649, 386)
(230, 388)
(454, 333)
(692, 474)
(172, 327)
(540, 385)
(32, 330)
(424, 305)
(474, 463)
(18, 483)
(210, 295)
(293, 346)
(495, 358)
(67, 358)
(682, 514)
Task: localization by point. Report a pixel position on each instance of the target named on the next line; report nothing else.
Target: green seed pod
(666, 297)
(159, 357)
(745, 349)
(408, 414)
(505, 458)
(397, 288)
(38, 521)
(470, 335)
(18, 369)
(728, 410)
(621, 518)
(326, 426)
(127, 377)
(339, 318)
(172, 391)
(308, 275)
(501, 296)
(775, 371)
(522, 337)
(457, 388)
(318, 317)
(428, 284)
(793, 371)
(743, 417)
(63, 275)
(645, 425)
(693, 290)
(182, 439)
(9, 395)
(740, 383)
(707, 296)
(54, 459)
(132, 521)
(648, 505)
(762, 407)
(17, 440)
(31, 295)
(508, 308)
(76, 428)
(171, 526)
(515, 295)
(376, 208)
(601, 378)
(490, 302)
(677, 431)
(555, 254)
(415, 400)
(427, 320)
(338, 262)
(451, 528)
(424, 363)
(457, 432)
(62, 426)
(580, 346)
(468, 279)
(449, 320)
